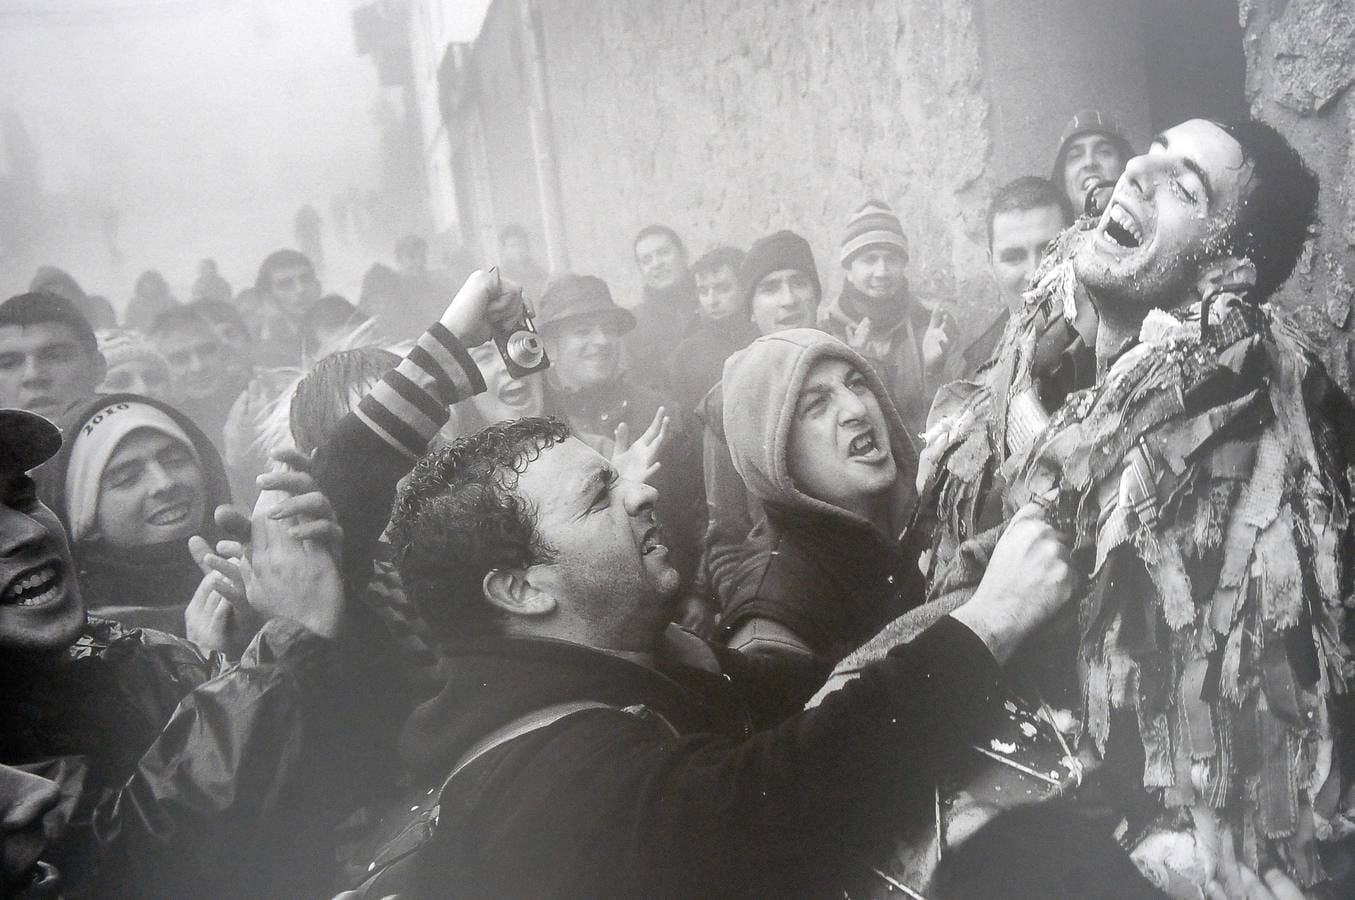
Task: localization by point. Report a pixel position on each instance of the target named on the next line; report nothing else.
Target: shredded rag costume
(1205, 481)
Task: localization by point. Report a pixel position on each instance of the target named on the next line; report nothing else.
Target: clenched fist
(486, 303)
(1029, 577)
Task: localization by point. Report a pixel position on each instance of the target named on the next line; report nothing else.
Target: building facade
(585, 120)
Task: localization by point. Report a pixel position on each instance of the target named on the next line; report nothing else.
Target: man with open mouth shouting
(1205, 479)
(814, 435)
(180, 773)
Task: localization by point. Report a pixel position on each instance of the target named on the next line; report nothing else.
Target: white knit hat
(98, 436)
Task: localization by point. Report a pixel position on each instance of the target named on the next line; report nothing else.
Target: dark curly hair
(1278, 212)
(457, 518)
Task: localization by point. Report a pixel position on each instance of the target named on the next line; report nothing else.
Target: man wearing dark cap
(588, 387)
(667, 308)
(1092, 149)
(49, 357)
(878, 316)
(180, 774)
(782, 284)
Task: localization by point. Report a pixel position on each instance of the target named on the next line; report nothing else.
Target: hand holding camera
(490, 306)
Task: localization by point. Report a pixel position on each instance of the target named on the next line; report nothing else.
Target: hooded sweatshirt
(146, 586)
(820, 579)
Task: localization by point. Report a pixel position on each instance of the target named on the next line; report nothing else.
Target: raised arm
(376, 444)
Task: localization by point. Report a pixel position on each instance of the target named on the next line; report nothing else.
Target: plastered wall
(1300, 71)
(728, 120)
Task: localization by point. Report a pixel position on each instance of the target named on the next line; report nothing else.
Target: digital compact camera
(521, 348)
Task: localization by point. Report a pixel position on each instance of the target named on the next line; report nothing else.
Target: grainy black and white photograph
(846, 449)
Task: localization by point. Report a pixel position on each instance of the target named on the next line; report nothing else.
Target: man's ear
(512, 591)
(1234, 274)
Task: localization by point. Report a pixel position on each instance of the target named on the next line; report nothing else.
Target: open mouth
(173, 514)
(1121, 229)
(514, 393)
(36, 588)
(652, 542)
(865, 446)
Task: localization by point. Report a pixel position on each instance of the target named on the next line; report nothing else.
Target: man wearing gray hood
(814, 435)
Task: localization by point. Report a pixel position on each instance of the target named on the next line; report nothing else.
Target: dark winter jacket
(708, 790)
(813, 583)
(731, 512)
(662, 318)
(814, 577)
(982, 347)
(181, 774)
(141, 587)
(709, 785)
(695, 366)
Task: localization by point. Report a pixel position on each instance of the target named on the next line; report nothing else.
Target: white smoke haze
(206, 124)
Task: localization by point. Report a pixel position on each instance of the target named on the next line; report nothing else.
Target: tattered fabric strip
(1255, 508)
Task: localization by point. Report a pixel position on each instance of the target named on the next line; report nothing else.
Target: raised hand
(486, 303)
(936, 342)
(218, 617)
(207, 619)
(639, 461)
(291, 568)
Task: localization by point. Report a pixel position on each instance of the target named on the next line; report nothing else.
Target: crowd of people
(746, 591)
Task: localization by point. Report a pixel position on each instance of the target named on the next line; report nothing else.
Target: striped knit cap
(872, 225)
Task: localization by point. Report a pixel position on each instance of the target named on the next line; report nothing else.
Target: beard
(1116, 288)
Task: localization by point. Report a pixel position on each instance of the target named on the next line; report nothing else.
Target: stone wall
(730, 120)
(1046, 59)
(1300, 70)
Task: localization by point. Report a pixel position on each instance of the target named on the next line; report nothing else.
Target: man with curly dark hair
(468, 486)
(581, 745)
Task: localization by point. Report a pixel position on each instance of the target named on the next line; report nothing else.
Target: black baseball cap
(27, 440)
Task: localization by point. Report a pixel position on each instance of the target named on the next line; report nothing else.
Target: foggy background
(200, 127)
(203, 125)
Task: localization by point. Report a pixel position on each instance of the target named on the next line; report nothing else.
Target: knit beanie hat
(761, 387)
(121, 345)
(94, 444)
(872, 225)
(782, 250)
(1090, 121)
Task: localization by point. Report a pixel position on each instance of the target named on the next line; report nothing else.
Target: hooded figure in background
(814, 435)
(134, 479)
